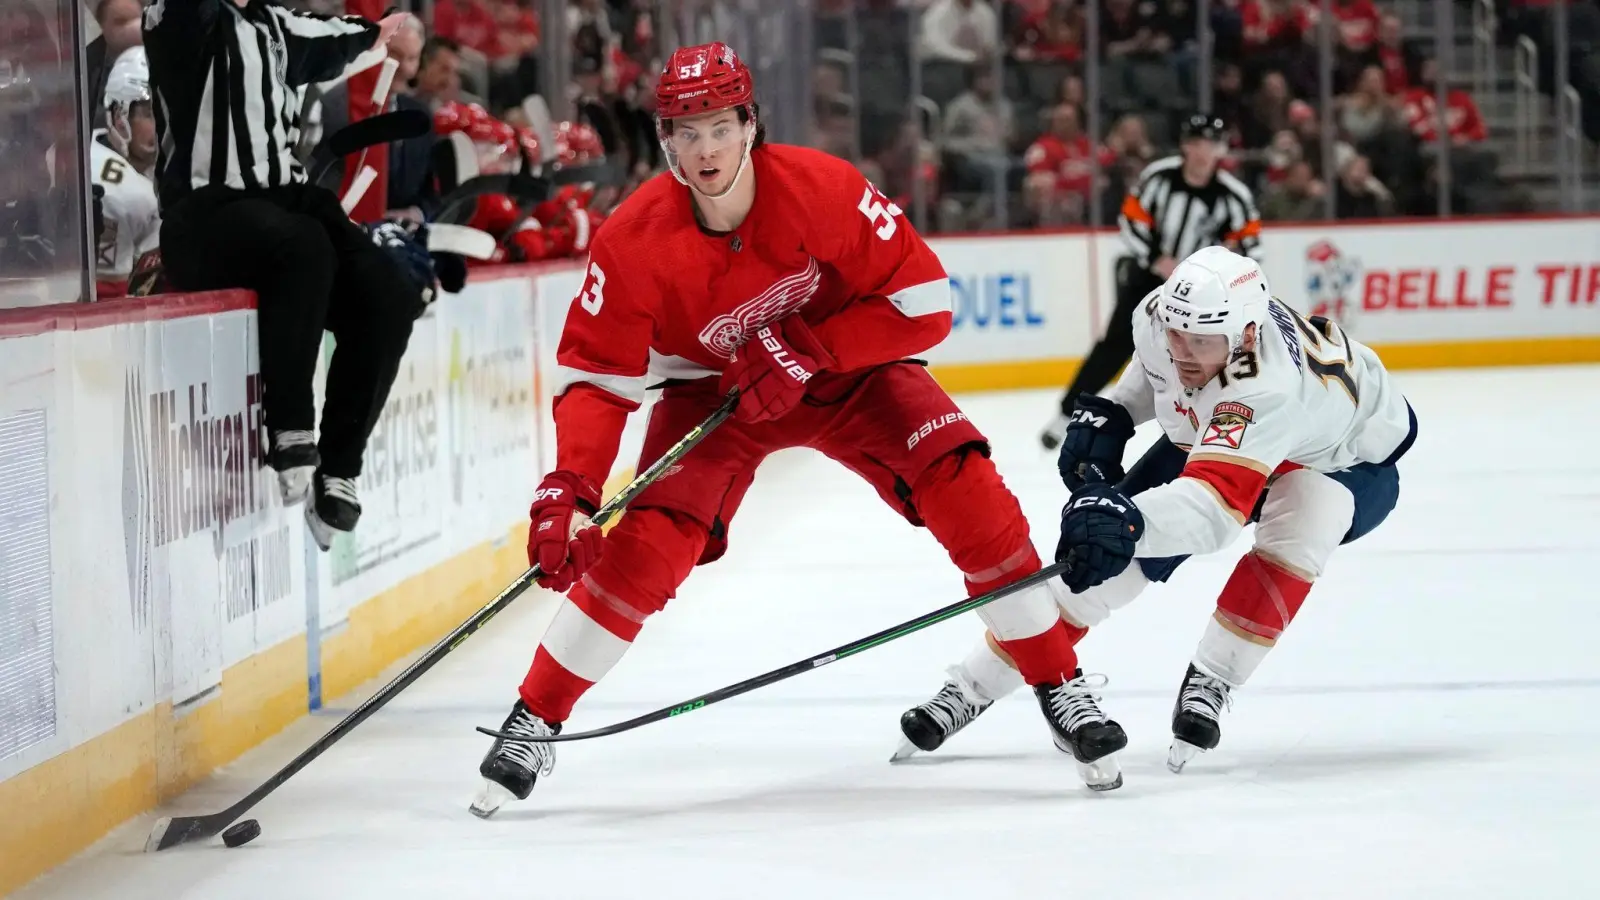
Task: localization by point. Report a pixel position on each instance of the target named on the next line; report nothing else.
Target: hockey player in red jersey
(780, 272)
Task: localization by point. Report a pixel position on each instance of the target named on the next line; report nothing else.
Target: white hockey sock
(1093, 606)
(987, 674)
(1224, 654)
(581, 645)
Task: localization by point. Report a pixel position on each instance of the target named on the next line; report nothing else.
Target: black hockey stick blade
(385, 128)
(171, 832)
(400, 125)
(798, 668)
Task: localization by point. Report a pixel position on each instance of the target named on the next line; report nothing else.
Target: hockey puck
(242, 833)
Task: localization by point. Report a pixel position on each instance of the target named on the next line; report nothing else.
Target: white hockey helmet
(127, 83)
(1215, 291)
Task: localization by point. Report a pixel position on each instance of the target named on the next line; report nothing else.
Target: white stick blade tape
(380, 91)
(469, 242)
(358, 188)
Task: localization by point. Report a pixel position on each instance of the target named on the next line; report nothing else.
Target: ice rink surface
(1428, 728)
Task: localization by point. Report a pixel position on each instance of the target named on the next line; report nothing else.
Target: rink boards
(162, 613)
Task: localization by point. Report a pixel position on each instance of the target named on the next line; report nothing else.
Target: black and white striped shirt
(228, 85)
(1166, 216)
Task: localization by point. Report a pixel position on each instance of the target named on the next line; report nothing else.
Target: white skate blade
(295, 484)
(1180, 754)
(490, 799)
(905, 751)
(1104, 774)
(321, 531)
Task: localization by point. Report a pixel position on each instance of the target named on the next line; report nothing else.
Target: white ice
(1427, 729)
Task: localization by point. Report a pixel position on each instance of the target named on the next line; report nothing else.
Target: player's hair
(743, 112)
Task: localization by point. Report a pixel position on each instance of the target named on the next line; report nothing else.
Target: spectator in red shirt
(1465, 125)
(1055, 34)
(470, 23)
(1392, 55)
(1060, 170)
(1358, 24)
(1269, 25)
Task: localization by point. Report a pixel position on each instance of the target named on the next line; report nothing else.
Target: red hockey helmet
(703, 79)
(496, 214)
(451, 117)
(577, 143)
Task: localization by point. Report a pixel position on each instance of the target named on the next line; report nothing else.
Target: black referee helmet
(1202, 125)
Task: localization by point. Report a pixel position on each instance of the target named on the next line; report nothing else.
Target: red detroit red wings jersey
(663, 298)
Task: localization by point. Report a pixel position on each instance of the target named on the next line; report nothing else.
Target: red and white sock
(588, 636)
(1259, 601)
(1027, 625)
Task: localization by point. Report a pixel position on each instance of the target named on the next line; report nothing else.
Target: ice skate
(1054, 433)
(294, 457)
(334, 507)
(512, 767)
(1079, 727)
(926, 726)
(1195, 727)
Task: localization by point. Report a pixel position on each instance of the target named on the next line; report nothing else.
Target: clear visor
(1204, 350)
(691, 138)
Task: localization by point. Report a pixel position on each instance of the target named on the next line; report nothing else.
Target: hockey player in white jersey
(121, 157)
(1267, 416)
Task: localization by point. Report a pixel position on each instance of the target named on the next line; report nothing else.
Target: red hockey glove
(772, 368)
(561, 542)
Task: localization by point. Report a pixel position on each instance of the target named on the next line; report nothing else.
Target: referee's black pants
(1113, 351)
(311, 269)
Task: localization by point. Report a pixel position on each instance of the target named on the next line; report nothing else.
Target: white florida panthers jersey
(132, 215)
(1306, 396)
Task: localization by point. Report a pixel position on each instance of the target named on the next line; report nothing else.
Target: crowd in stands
(1005, 135)
(1006, 140)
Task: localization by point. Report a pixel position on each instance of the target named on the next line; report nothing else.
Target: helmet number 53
(875, 206)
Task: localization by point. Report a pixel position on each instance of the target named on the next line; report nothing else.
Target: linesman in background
(237, 212)
(1181, 204)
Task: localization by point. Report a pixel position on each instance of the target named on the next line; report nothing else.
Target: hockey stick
(798, 668)
(186, 829)
(384, 128)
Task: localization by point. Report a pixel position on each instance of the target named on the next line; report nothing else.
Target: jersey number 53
(875, 206)
(592, 295)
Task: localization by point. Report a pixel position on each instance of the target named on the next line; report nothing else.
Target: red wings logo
(726, 332)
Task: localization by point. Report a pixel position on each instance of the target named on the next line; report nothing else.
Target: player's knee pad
(1304, 517)
(1095, 605)
(646, 556)
(968, 508)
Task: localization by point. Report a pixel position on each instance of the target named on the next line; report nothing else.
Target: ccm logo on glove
(1085, 417)
(1097, 501)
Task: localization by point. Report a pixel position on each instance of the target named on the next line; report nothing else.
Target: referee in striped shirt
(237, 212)
(1181, 204)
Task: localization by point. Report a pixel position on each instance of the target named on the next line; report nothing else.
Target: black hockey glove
(411, 255)
(1091, 452)
(1100, 527)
